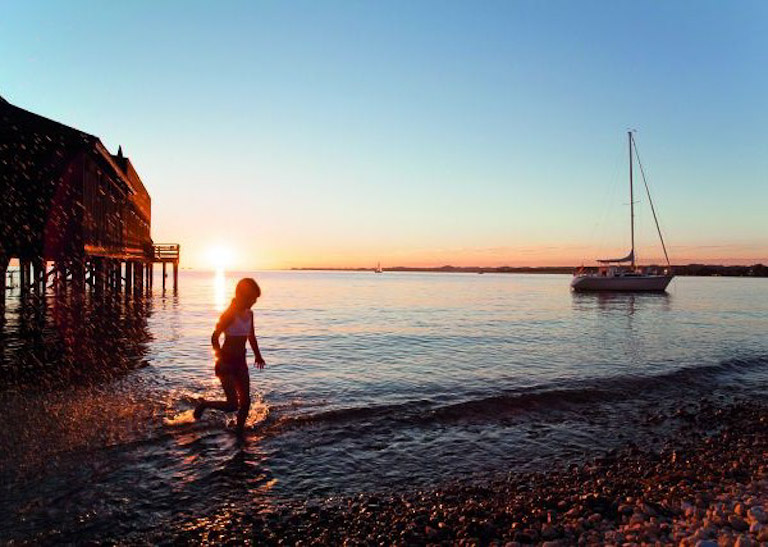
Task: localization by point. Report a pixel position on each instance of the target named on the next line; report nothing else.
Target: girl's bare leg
(228, 382)
(243, 388)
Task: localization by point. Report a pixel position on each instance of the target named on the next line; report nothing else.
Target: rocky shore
(706, 486)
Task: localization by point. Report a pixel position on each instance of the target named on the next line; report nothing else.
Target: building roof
(34, 148)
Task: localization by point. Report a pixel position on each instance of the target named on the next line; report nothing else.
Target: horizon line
(450, 266)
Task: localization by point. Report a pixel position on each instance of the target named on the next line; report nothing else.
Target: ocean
(373, 382)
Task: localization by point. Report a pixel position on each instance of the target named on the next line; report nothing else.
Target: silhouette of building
(66, 202)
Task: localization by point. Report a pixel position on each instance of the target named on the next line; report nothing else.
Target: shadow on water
(55, 341)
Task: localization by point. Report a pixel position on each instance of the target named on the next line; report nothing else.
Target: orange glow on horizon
(254, 256)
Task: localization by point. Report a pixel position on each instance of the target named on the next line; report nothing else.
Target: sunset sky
(421, 133)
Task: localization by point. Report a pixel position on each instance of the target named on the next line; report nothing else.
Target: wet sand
(707, 484)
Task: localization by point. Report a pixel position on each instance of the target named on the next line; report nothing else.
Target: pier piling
(4, 261)
(128, 277)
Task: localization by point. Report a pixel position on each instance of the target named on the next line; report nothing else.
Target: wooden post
(98, 274)
(151, 270)
(35, 278)
(175, 276)
(57, 277)
(63, 273)
(110, 266)
(128, 277)
(23, 275)
(43, 276)
(38, 274)
(164, 276)
(78, 276)
(115, 275)
(4, 260)
(139, 278)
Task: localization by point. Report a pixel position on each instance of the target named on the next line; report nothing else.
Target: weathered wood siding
(64, 195)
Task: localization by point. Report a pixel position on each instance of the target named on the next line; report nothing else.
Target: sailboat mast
(631, 201)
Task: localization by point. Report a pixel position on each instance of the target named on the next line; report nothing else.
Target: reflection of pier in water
(64, 338)
(75, 220)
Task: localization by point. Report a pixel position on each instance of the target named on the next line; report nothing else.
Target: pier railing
(166, 252)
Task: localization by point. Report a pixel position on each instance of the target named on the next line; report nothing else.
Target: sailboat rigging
(612, 274)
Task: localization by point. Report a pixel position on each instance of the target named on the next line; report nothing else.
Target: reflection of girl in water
(237, 325)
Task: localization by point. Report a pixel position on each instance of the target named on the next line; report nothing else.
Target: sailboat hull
(630, 283)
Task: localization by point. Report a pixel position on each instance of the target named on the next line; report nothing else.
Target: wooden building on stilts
(71, 213)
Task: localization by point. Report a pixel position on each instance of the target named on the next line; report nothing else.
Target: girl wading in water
(237, 325)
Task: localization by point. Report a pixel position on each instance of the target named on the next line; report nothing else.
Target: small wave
(565, 395)
(403, 411)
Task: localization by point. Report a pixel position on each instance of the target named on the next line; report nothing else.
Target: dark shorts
(231, 363)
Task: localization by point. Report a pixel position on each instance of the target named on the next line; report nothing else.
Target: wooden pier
(166, 253)
(74, 216)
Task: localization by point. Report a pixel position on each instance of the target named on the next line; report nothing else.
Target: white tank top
(241, 325)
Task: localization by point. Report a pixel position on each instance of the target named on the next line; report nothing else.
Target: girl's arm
(224, 321)
(259, 360)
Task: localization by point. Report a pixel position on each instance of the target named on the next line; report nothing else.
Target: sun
(220, 257)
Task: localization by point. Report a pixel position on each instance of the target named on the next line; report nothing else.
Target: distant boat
(378, 268)
(613, 275)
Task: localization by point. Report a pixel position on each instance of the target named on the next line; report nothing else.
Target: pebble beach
(706, 486)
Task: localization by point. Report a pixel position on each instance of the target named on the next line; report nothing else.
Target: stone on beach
(757, 514)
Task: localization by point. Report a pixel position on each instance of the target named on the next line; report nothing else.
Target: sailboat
(378, 268)
(613, 275)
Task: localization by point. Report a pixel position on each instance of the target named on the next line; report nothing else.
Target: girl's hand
(259, 362)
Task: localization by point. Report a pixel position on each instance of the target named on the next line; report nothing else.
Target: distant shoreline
(696, 270)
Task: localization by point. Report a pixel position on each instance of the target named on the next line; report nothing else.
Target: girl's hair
(247, 287)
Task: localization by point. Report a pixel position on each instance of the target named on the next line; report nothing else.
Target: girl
(237, 325)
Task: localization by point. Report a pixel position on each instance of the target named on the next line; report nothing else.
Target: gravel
(707, 485)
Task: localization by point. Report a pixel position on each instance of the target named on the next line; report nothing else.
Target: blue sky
(415, 133)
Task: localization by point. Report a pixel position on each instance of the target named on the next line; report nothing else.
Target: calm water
(372, 382)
